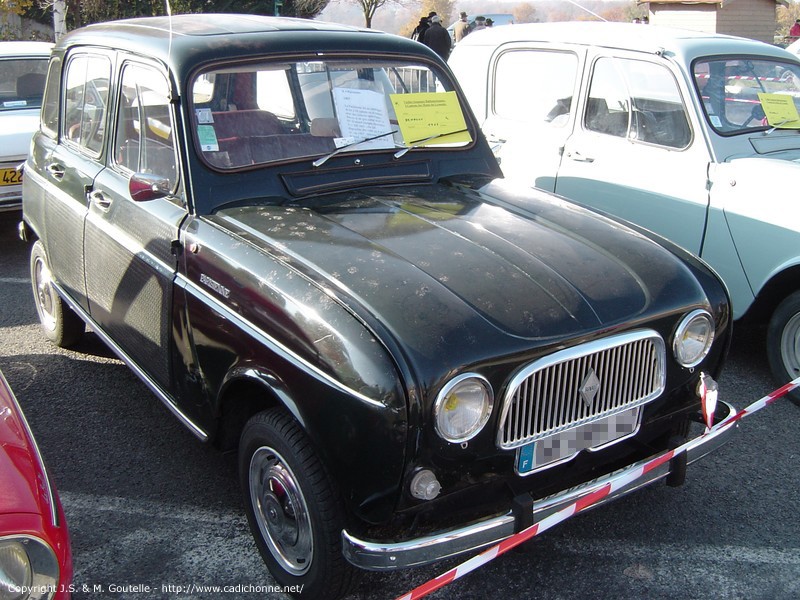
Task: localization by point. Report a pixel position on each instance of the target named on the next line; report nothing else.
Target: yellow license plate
(10, 177)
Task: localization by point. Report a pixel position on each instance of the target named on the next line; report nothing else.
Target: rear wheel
(59, 322)
(783, 342)
(293, 508)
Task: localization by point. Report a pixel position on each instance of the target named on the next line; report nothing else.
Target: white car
(23, 70)
(692, 135)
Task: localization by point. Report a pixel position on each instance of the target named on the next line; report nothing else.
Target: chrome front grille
(582, 384)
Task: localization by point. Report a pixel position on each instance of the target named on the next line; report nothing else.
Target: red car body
(35, 553)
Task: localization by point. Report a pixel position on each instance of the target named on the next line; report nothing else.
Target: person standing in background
(437, 38)
(461, 28)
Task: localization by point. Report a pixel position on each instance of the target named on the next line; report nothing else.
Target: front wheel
(293, 508)
(783, 343)
(59, 323)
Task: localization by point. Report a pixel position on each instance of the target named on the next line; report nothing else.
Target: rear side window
(86, 101)
(535, 86)
(637, 100)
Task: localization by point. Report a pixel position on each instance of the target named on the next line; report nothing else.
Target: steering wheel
(756, 114)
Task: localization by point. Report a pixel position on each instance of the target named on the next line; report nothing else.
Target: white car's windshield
(742, 94)
(22, 83)
(261, 113)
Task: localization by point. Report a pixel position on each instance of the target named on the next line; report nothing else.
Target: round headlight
(463, 407)
(28, 569)
(693, 338)
(15, 571)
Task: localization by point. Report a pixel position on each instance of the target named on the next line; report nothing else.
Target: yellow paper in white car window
(430, 118)
(780, 110)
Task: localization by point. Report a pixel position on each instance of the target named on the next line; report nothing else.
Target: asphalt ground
(153, 513)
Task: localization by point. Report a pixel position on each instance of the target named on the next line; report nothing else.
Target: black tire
(783, 343)
(60, 324)
(293, 508)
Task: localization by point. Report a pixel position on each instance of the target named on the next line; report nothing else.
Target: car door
(71, 164)
(130, 265)
(530, 111)
(636, 151)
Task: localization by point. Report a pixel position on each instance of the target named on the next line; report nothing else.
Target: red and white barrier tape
(584, 502)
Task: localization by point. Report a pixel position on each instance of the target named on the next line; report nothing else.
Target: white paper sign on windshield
(362, 115)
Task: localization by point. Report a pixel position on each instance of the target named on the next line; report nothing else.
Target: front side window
(637, 100)
(743, 94)
(262, 113)
(144, 140)
(535, 86)
(22, 82)
(86, 101)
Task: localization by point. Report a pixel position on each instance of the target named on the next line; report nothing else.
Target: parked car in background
(35, 553)
(23, 66)
(294, 233)
(667, 129)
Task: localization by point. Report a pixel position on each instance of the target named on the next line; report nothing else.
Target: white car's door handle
(495, 143)
(578, 157)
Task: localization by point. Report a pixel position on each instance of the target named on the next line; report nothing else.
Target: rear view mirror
(146, 186)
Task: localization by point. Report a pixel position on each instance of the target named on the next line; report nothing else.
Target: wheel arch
(245, 392)
(772, 293)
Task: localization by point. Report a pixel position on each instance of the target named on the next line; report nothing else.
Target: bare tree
(369, 8)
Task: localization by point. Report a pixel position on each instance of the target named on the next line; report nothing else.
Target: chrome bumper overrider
(380, 556)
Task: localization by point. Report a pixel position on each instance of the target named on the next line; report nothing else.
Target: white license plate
(563, 446)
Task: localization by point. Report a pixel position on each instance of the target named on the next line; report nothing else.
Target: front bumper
(379, 556)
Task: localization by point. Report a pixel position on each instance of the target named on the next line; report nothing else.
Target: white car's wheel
(294, 511)
(783, 342)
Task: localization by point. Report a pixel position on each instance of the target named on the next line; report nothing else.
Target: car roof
(185, 41)
(8, 49)
(651, 39)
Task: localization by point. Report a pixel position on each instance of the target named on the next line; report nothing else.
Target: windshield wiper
(322, 160)
(422, 142)
(778, 126)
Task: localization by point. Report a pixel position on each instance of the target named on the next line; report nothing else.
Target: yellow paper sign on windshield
(430, 118)
(780, 110)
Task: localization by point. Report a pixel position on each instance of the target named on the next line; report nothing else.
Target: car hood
(16, 129)
(446, 267)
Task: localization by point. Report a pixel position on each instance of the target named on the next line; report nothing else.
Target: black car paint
(409, 277)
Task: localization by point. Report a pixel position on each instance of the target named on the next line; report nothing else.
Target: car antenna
(594, 14)
(169, 17)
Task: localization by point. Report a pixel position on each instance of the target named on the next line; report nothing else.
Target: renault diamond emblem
(589, 388)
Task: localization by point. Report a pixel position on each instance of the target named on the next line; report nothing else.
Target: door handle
(578, 157)
(56, 171)
(99, 199)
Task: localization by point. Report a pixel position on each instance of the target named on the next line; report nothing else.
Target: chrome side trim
(262, 337)
(152, 385)
(379, 556)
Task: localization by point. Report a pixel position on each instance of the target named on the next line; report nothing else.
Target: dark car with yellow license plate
(294, 234)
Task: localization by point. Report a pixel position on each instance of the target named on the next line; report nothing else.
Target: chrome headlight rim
(41, 562)
(486, 412)
(678, 348)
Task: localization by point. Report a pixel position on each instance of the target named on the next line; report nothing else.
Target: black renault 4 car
(294, 233)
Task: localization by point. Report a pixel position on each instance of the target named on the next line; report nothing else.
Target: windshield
(743, 94)
(22, 83)
(261, 113)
